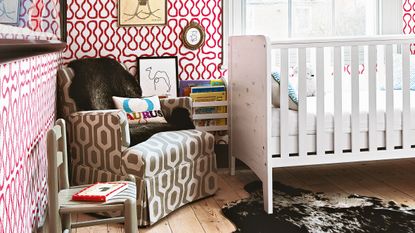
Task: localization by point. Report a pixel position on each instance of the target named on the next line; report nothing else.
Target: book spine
(208, 96)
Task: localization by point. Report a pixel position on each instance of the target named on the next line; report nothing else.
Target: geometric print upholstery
(171, 168)
(66, 105)
(97, 139)
(183, 184)
(166, 150)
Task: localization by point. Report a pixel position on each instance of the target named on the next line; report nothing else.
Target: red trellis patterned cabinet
(27, 111)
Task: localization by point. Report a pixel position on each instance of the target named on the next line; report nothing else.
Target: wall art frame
(193, 36)
(18, 42)
(9, 12)
(158, 75)
(142, 12)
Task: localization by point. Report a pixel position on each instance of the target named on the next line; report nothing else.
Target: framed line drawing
(158, 75)
(142, 12)
(9, 12)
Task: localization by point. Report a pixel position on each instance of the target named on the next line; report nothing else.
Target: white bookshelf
(210, 116)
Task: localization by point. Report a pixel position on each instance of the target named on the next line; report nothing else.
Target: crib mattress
(346, 106)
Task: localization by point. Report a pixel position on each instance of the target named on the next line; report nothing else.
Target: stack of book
(210, 106)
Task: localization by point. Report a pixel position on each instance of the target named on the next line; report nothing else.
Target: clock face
(193, 36)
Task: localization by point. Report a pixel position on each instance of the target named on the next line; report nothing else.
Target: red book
(100, 192)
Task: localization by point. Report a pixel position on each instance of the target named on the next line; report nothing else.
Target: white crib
(264, 137)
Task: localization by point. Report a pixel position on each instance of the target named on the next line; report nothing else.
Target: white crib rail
(372, 44)
(338, 102)
(406, 100)
(320, 102)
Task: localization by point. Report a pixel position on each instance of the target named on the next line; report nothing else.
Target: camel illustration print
(157, 77)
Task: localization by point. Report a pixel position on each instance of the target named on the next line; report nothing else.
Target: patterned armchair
(171, 168)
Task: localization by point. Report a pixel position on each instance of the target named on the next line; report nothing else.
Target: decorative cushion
(292, 94)
(141, 110)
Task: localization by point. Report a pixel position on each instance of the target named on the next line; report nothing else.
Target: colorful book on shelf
(217, 82)
(210, 122)
(210, 110)
(208, 96)
(202, 89)
(100, 192)
(186, 85)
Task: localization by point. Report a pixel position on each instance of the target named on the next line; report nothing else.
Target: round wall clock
(193, 36)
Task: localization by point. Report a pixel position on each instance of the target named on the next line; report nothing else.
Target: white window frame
(388, 19)
(237, 8)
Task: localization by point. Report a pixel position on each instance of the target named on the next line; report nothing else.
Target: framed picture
(158, 76)
(142, 12)
(9, 12)
(193, 36)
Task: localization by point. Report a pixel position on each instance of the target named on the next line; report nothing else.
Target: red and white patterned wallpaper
(408, 19)
(93, 32)
(27, 111)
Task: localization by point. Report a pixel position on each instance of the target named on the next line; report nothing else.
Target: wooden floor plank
(237, 183)
(210, 216)
(389, 180)
(384, 185)
(313, 180)
(161, 227)
(225, 193)
(184, 220)
(343, 178)
(92, 229)
(116, 228)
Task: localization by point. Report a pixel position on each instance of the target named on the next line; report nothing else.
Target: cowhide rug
(298, 210)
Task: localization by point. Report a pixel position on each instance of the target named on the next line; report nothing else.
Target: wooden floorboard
(185, 221)
(389, 180)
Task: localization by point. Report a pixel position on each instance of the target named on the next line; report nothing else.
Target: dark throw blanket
(302, 211)
(98, 79)
(179, 120)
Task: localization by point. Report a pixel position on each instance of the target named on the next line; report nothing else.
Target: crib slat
(389, 95)
(338, 121)
(284, 121)
(406, 100)
(355, 99)
(320, 140)
(372, 98)
(302, 103)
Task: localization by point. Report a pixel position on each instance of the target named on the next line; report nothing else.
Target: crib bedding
(329, 116)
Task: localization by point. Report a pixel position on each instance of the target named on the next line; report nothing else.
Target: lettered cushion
(141, 110)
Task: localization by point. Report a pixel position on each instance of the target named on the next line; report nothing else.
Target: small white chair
(60, 204)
